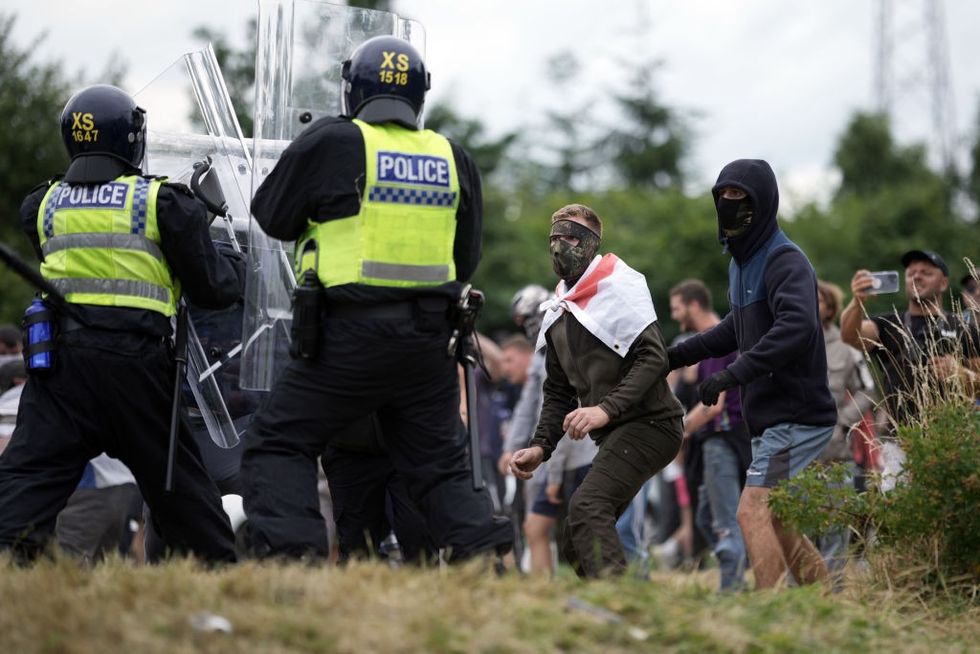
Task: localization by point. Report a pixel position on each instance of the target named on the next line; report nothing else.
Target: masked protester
(781, 369)
(606, 378)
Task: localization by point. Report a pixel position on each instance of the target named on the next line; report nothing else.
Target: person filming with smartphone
(916, 348)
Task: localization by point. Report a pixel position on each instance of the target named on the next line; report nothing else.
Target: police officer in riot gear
(120, 247)
(388, 217)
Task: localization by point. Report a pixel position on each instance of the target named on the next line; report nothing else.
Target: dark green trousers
(628, 456)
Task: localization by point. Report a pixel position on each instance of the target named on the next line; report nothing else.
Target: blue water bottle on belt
(39, 323)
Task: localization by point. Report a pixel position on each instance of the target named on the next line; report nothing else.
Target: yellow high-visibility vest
(101, 244)
(404, 232)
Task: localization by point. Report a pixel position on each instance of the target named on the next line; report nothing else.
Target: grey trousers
(93, 522)
(628, 456)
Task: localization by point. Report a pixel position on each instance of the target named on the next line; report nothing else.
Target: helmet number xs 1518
(391, 77)
(394, 68)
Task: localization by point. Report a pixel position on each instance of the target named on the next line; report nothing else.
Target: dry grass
(59, 607)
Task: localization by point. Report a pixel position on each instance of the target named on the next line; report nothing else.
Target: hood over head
(756, 178)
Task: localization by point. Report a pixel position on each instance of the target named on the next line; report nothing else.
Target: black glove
(672, 363)
(711, 388)
(237, 261)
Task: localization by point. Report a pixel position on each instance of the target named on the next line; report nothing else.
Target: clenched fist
(525, 462)
(581, 421)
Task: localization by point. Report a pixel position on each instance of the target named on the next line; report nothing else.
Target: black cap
(925, 255)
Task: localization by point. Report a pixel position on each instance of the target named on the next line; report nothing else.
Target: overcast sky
(765, 78)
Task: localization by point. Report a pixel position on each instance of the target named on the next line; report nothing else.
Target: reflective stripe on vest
(101, 245)
(403, 234)
(116, 241)
(125, 287)
(427, 274)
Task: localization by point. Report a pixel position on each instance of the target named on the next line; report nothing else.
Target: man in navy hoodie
(781, 368)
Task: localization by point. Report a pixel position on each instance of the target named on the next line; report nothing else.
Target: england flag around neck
(611, 300)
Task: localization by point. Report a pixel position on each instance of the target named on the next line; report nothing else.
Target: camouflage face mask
(570, 261)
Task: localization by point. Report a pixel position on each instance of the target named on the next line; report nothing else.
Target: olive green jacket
(582, 369)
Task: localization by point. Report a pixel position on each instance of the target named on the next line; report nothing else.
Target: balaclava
(570, 261)
(744, 226)
(734, 216)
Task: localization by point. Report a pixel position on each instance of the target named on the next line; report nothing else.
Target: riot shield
(191, 119)
(301, 45)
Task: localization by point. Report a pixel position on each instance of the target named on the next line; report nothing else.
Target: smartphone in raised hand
(883, 281)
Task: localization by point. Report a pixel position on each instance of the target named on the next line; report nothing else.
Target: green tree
(569, 157)
(869, 159)
(889, 201)
(973, 178)
(32, 96)
(649, 143)
(471, 134)
(237, 67)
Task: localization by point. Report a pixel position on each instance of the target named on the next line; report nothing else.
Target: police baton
(464, 344)
(34, 278)
(180, 356)
(473, 424)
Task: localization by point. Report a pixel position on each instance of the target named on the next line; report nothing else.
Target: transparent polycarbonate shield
(301, 45)
(190, 119)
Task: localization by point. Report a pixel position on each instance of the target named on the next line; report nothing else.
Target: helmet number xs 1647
(87, 135)
(83, 127)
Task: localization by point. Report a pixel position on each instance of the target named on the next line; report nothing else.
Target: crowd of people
(601, 446)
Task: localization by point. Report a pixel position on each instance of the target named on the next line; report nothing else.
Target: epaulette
(182, 188)
(46, 184)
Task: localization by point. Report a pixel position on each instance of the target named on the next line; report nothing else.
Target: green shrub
(930, 522)
(820, 500)
(937, 510)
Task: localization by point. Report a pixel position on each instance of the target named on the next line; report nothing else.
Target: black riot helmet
(104, 132)
(385, 81)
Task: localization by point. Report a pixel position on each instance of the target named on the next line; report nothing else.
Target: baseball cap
(925, 255)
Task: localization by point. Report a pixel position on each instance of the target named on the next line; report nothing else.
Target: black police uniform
(381, 349)
(220, 331)
(110, 391)
(369, 497)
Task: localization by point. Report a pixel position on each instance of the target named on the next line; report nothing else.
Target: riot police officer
(387, 218)
(120, 247)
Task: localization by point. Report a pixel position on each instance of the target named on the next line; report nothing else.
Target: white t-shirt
(9, 402)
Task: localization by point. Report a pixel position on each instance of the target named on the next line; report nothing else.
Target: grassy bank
(59, 607)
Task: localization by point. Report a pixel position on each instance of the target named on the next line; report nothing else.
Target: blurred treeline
(627, 156)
